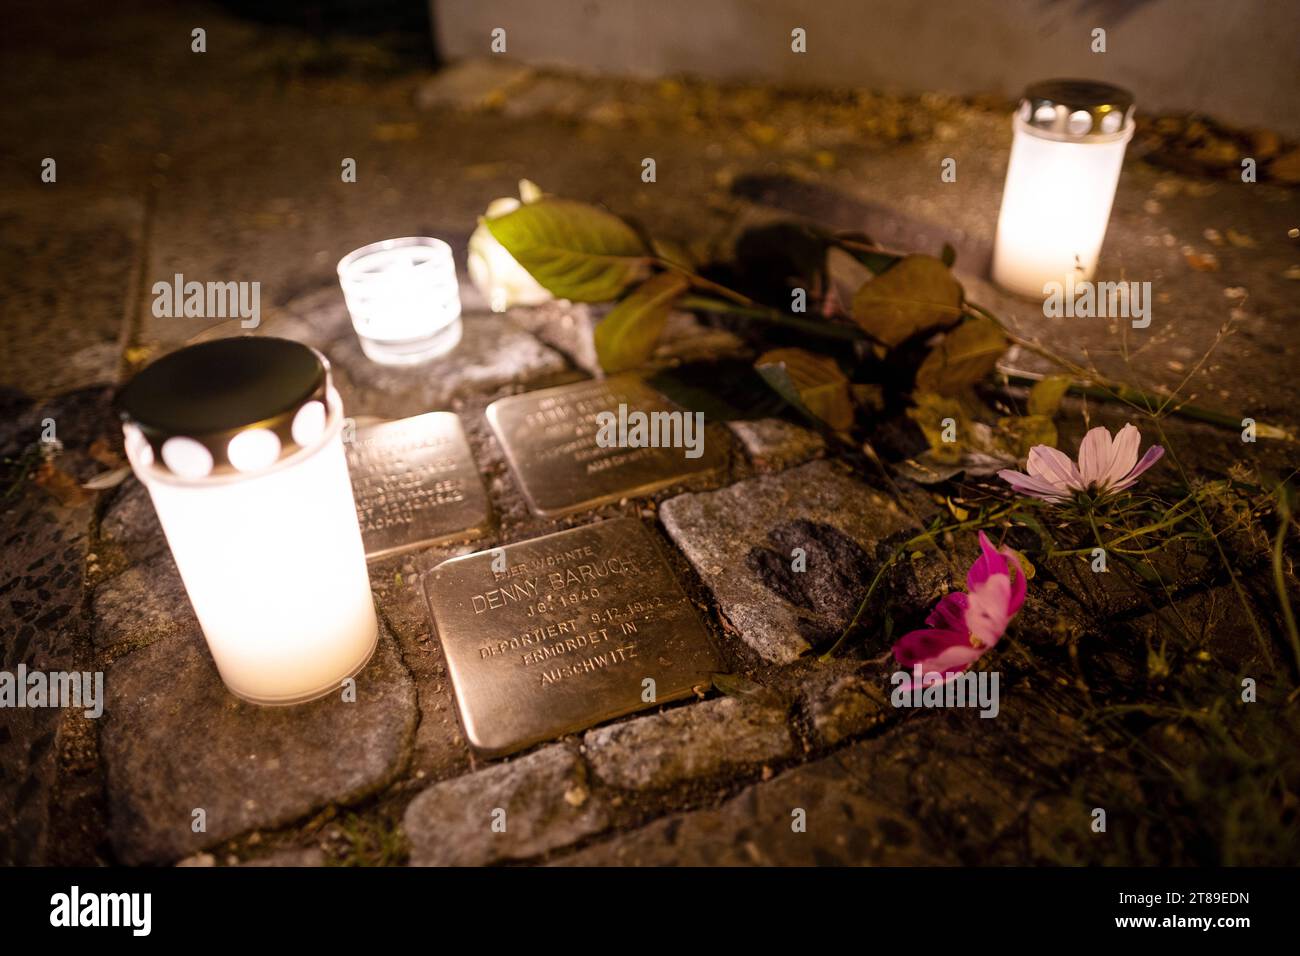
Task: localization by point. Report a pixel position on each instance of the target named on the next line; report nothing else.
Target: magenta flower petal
(917, 647)
(990, 562)
(949, 664)
(950, 613)
(963, 627)
(990, 611)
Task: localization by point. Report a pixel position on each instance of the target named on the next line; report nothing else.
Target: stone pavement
(227, 167)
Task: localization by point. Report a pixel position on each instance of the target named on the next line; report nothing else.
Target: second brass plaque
(549, 636)
(550, 440)
(415, 483)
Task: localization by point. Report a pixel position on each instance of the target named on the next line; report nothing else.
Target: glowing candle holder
(1069, 143)
(404, 299)
(238, 442)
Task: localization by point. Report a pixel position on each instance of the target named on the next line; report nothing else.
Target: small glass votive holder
(404, 299)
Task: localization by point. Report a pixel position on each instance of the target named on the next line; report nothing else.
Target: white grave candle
(238, 442)
(1066, 154)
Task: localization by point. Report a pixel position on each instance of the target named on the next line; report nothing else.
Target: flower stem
(1279, 581)
(843, 333)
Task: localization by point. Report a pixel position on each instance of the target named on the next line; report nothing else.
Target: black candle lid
(1077, 110)
(228, 406)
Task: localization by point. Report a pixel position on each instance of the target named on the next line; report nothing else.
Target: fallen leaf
(916, 294)
(814, 381)
(102, 451)
(1045, 395)
(626, 337)
(59, 483)
(966, 356)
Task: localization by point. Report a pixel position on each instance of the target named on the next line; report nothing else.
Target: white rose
(493, 270)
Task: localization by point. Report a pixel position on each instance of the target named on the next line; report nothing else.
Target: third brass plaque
(546, 637)
(550, 440)
(415, 483)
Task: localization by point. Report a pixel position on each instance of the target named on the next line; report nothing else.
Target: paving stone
(933, 788)
(440, 747)
(547, 804)
(494, 354)
(131, 525)
(61, 335)
(1212, 628)
(43, 559)
(174, 739)
(848, 822)
(562, 97)
(307, 856)
(686, 743)
(774, 444)
(740, 540)
(479, 83)
(845, 706)
(1102, 596)
(141, 605)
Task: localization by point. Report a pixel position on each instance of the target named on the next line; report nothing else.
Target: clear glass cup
(404, 299)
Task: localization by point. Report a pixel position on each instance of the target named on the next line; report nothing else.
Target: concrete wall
(1233, 59)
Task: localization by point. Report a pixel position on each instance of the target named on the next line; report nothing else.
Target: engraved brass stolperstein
(549, 636)
(415, 483)
(549, 437)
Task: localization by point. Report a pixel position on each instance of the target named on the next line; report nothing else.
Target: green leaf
(729, 390)
(574, 250)
(673, 253)
(966, 356)
(626, 337)
(1045, 396)
(810, 382)
(1033, 524)
(917, 294)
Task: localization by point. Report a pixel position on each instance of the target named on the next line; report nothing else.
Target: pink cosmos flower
(1105, 467)
(965, 626)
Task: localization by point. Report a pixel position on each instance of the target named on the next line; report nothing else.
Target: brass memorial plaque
(550, 441)
(549, 636)
(415, 483)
